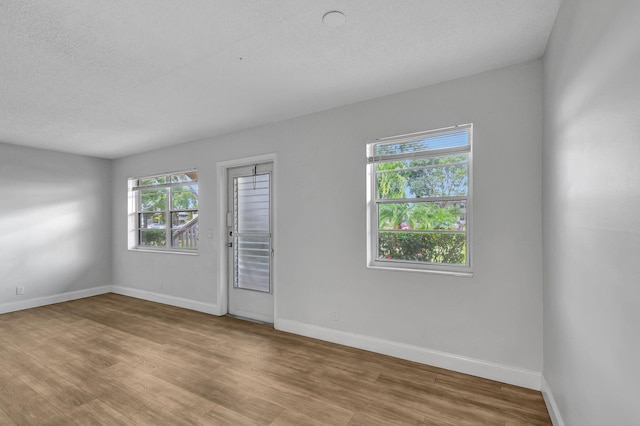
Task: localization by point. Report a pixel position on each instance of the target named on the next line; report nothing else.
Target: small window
(164, 209)
(419, 198)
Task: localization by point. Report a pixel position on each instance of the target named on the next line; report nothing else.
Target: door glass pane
(252, 232)
(252, 203)
(253, 257)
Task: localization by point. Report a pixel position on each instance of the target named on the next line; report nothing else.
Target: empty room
(300, 212)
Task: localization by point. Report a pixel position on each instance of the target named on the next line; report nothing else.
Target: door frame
(223, 253)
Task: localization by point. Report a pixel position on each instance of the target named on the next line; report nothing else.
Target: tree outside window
(420, 198)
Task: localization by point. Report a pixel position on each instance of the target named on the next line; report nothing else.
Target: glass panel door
(249, 221)
(252, 232)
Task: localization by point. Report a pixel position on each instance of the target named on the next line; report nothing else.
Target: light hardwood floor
(115, 360)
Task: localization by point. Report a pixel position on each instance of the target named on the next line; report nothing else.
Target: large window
(165, 211)
(419, 196)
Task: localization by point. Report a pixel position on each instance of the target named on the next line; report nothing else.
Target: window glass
(423, 247)
(152, 181)
(419, 200)
(153, 220)
(184, 197)
(166, 210)
(153, 238)
(153, 200)
(444, 176)
(184, 177)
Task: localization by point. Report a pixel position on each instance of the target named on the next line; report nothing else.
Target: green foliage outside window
(156, 217)
(414, 183)
(424, 247)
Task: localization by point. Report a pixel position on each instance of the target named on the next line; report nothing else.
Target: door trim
(223, 255)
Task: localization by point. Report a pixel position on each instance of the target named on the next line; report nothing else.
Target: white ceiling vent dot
(334, 19)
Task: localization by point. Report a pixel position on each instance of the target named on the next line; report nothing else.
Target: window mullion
(376, 212)
(422, 231)
(169, 219)
(419, 200)
(138, 196)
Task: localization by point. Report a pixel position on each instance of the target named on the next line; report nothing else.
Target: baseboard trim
(493, 371)
(552, 406)
(194, 305)
(50, 300)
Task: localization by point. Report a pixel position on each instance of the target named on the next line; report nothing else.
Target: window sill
(168, 251)
(464, 274)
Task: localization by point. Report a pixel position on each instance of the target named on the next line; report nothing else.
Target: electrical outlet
(20, 290)
(335, 315)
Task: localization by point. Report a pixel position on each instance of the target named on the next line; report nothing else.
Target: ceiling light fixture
(334, 19)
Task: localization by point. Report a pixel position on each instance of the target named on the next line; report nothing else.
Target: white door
(249, 225)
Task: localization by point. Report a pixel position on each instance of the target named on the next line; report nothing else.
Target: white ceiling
(109, 78)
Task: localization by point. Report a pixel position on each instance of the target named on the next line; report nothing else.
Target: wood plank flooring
(115, 360)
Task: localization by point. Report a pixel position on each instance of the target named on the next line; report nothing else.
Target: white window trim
(372, 214)
(133, 209)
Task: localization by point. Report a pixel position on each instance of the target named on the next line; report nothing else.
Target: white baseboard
(50, 300)
(502, 373)
(550, 401)
(194, 305)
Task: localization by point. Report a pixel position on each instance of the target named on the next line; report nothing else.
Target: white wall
(56, 225)
(591, 204)
(496, 316)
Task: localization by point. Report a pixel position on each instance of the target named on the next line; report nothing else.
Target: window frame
(372, 220)
(136, 211)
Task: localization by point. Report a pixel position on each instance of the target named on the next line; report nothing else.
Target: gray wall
(56, 224)
(495, 316)
(591, 204)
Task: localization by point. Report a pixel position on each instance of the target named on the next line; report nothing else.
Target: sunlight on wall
(597, 123)
(56, 231)
(45, 242)
(609, 60)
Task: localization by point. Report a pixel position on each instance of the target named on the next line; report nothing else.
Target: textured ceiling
(109, 78)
